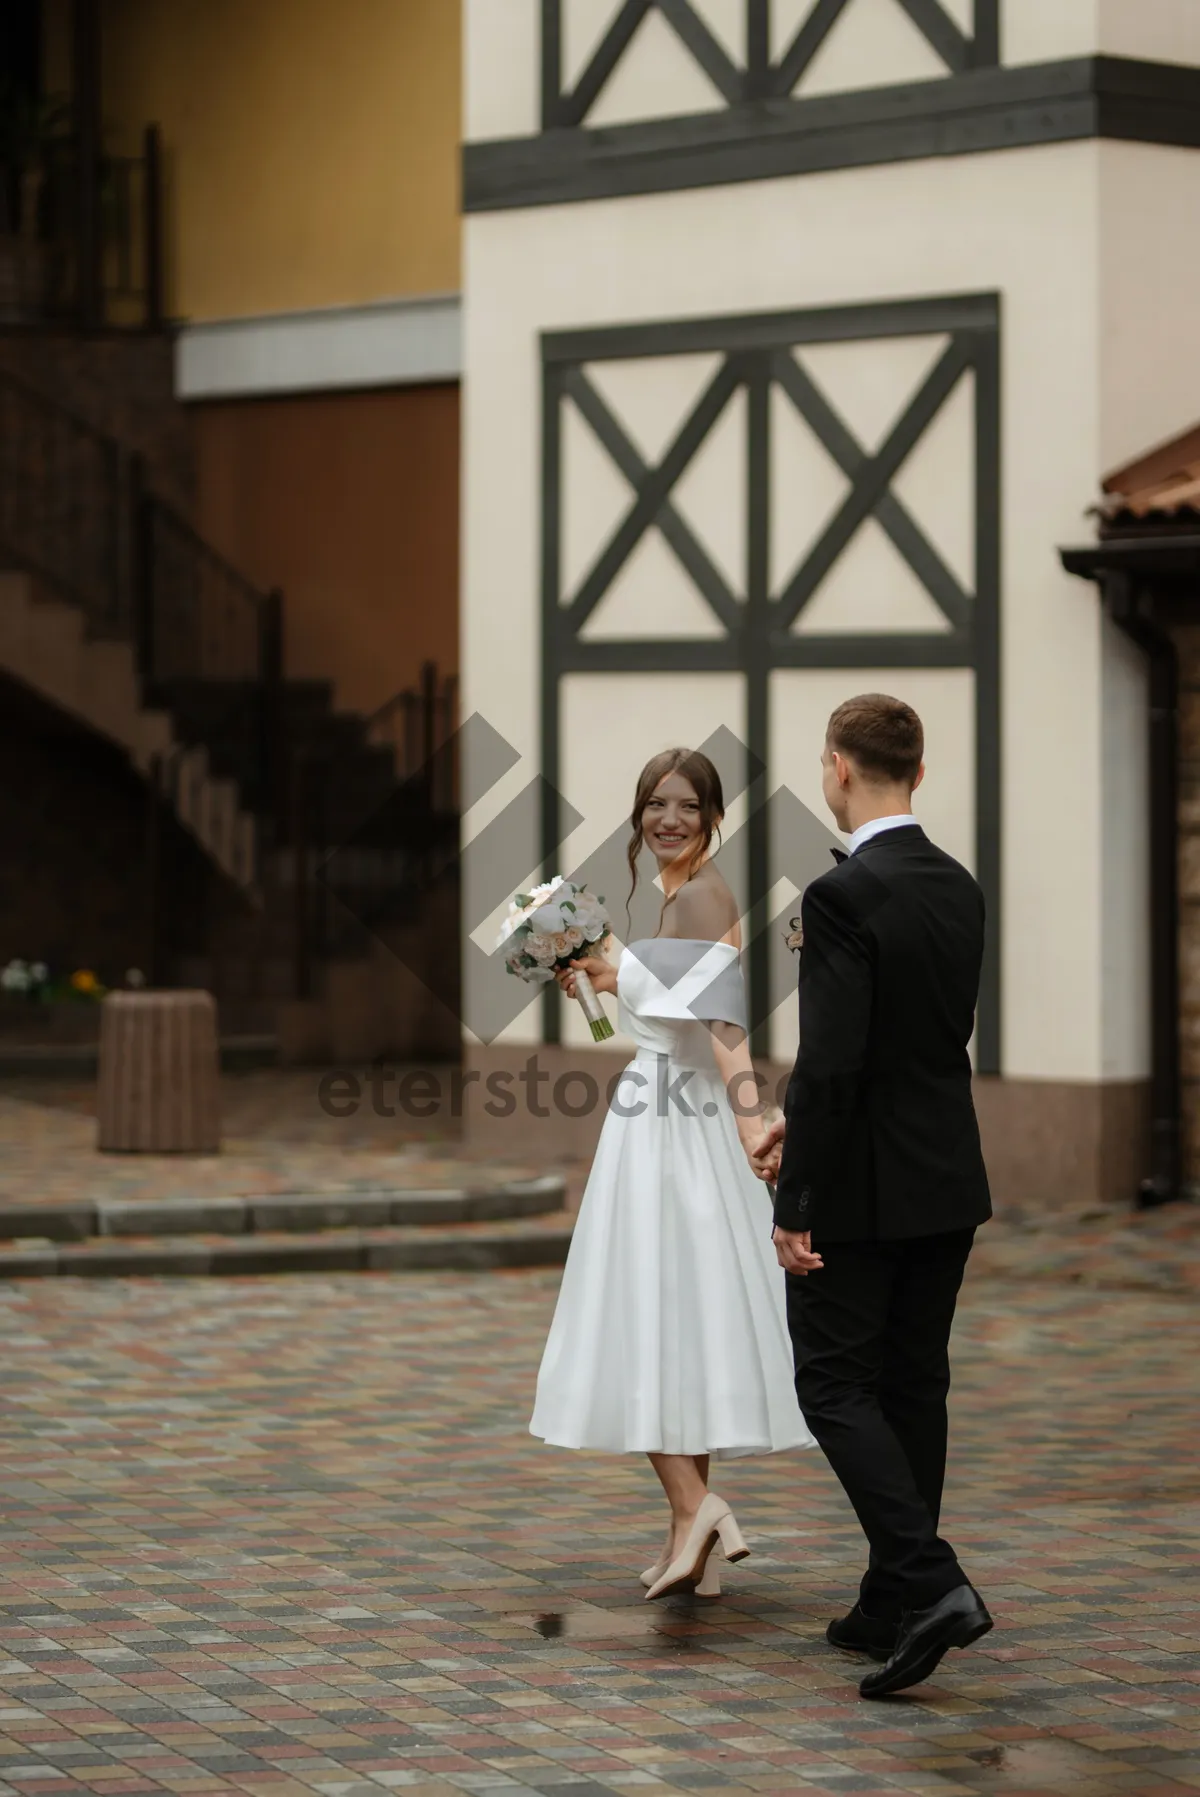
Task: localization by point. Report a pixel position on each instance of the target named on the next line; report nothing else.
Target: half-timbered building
(797, 333)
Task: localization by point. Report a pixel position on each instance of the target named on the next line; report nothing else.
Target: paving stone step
(260, 1213)
(79, 1060)
(466, 1247)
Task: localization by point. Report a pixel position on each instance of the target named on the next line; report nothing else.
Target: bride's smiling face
(672, 819)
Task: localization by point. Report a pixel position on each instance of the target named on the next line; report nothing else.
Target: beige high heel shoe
(714, 1522)
(710, 1584)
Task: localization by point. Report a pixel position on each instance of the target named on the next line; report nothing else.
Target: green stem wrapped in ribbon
(591, 1007)
(546, 930)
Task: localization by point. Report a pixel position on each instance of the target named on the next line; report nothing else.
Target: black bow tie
(839, 854)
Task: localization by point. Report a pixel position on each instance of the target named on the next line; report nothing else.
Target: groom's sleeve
(836, 989)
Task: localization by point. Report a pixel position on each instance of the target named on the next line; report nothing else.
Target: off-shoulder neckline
(705, 941)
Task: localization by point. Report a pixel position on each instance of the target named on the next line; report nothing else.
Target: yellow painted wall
(311, 145)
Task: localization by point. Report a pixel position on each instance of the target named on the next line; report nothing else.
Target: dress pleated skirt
(670, 1333)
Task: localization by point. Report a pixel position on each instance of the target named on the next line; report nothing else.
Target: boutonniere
(795, 935)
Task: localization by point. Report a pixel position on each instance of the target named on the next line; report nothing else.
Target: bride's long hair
(699, 771)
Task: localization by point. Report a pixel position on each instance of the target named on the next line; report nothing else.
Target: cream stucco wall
(1024, 224)
(1158, 30)
(1149, 260)
(502, 63)
(1093, 250)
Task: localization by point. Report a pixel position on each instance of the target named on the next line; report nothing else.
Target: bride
(670, 1337)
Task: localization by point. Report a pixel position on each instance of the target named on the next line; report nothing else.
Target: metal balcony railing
(81, 241)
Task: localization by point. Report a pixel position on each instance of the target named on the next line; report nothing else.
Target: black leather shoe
(860, 1633)
(925, 1635)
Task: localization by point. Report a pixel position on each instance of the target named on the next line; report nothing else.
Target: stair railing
(195, 617)
(418, 725)
(77, 512)
(62, 516)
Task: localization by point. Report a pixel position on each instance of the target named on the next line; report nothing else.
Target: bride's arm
(709, 914)
(751, 1113)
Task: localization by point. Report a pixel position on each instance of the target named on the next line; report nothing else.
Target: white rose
(539, 894)
(548, 920)
(590, 919)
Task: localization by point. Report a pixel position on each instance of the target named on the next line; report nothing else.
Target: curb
(355, 1252)
(74, 1060)
(301, 1211)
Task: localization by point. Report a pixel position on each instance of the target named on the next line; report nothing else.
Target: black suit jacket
(882, 1140)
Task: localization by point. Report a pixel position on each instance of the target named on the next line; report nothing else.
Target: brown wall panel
(349, 502)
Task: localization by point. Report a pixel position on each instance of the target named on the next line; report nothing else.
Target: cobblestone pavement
(291, 1536)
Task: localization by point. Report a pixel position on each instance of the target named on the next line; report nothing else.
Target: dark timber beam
(982, 109)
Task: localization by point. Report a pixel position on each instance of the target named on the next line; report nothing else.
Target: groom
(880, 1182)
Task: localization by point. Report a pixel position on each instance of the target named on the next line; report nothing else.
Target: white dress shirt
(876, 826)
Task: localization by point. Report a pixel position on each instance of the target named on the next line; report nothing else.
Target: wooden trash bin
(159, 1070)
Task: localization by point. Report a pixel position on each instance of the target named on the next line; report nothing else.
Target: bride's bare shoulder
(704, 908)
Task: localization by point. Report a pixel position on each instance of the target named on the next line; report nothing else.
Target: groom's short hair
(881, 735)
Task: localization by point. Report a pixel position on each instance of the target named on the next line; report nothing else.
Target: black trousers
(871, 1334)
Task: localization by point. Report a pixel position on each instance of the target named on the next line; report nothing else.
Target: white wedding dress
(670, 1333)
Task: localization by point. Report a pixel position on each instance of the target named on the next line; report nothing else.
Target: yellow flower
(84, 980)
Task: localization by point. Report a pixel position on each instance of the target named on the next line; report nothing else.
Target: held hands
(793, 1248)
(754, 1129)
(767, 1152)
(602, 974)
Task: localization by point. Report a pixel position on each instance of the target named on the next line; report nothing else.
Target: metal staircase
(116, 610)
(103, 588)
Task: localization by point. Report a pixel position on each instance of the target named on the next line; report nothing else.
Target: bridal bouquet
(546, 930)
